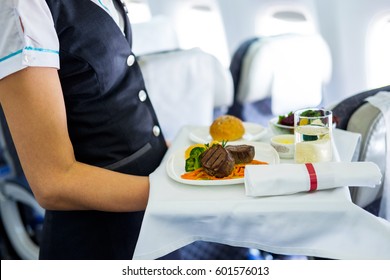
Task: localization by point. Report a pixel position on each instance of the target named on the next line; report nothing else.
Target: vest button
(142, 95)
(156, 130)
(130, 60)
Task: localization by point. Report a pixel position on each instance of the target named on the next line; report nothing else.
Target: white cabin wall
(241, 16)
(198, 24)
(239, 19)
(344, 25)
(169, 8)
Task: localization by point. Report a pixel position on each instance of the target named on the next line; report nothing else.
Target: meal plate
(175, 165)
(253, 132)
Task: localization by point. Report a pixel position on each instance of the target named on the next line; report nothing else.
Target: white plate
(253, 132)
(176, 164)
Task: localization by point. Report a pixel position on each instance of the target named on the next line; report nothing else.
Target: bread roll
(227, 128)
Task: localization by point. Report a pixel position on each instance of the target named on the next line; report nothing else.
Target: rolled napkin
(282, 179)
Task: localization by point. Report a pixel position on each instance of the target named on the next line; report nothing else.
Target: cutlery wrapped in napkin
(282, 179)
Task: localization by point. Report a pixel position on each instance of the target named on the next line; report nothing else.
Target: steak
(217, 161)
(241, 153)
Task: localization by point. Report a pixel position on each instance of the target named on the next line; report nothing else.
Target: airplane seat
(237, 109)
(21, 216)
(153, 36)
(186, 87)
(356, 114)
(279, 74)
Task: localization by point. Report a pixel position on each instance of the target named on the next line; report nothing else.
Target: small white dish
(278, 129)
(284, 144)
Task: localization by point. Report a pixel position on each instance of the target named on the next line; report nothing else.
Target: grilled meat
(217, 161)
(241, 153)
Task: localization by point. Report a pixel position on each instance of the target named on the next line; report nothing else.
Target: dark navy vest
(111, 124)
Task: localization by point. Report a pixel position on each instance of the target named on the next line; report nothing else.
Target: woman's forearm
(85, 187)
(33, 103)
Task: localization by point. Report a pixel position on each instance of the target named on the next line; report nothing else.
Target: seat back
(155, 35)
(357, 115)
(185, 87)
(369, 122)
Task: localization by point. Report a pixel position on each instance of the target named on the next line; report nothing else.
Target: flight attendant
(81, 121)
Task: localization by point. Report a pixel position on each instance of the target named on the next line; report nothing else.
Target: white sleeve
(27, 36)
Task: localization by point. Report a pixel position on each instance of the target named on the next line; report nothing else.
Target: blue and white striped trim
(41, 50)
(28, 49)
(10, 55)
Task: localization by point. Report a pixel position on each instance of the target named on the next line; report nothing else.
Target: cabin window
(378, 54)
(281, 20)
(139, 10)
(200, 25)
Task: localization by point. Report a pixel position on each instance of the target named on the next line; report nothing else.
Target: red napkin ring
(313, 176)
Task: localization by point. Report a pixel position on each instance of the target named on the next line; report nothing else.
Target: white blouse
(28, 37)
